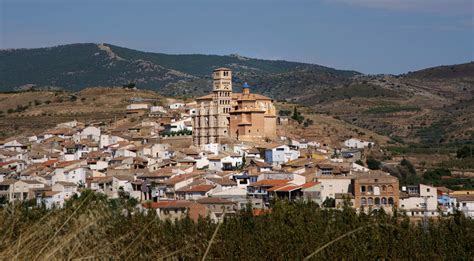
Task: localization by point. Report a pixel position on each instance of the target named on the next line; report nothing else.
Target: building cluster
(211, 157)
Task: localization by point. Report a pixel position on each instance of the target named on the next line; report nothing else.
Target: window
(377, 201)
(427, 190)
(384, 201)
(370, 189)
(363, 201)
(390, 201)
(362, 188)
(371, 201)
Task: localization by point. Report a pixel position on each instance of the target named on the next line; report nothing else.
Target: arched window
(377, 201)
(384, 188)
(390, 201)
(370, 189)
(363, 201)
(371, 201)
(362, 188)
(390, 188)
(384, 201)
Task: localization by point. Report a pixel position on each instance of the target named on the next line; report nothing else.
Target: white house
(106, 140)
(300, 144)
(70, 171)
(177, 105)
(68, 189)
(91, 133)
(184, 124)
(12, 144)
(357, 144)
(137, 106)
(279, 154)
(330, 185)
(419, 200)
(51, 199)
(466, 204)
(157, 109)
(224, 161)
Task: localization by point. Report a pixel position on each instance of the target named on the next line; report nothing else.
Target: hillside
(429, 106)
(36, 111)
(77, 66)
(432, 106)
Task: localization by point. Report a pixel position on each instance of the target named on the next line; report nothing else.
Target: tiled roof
(168, 204)
(197, 188)
(269, 182)
(223, 181)
(214, 200)
(63, 164)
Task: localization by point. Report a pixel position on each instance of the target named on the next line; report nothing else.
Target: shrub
(373, 164)
(91, 226)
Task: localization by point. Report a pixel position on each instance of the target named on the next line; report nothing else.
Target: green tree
(297, 116)
(464, 152)
(373, 164)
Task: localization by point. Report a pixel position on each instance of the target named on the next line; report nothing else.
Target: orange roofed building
(243, 116)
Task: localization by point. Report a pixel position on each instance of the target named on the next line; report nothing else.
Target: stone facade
(223, 114)
(375, 189)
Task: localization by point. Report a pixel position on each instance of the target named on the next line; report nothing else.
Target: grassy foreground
(92, 227)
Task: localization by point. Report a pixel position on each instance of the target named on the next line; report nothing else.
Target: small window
(427, 190)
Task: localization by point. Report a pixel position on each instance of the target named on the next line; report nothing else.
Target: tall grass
(91, 227)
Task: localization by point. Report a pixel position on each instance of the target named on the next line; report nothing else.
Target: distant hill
(76, 66)
(457, 71)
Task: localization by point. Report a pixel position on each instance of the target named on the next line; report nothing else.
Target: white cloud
(437, 6)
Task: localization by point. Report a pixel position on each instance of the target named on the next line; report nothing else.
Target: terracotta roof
(7, 163)
(269, 182)
(63, 164)
(223, 181)
(260, 212)
(261, 164)
(176, 179)
(197, 188)
(214, 200)
(30, 181)
(283, 187)
(309, 184)
(168, 204)
(50, 193)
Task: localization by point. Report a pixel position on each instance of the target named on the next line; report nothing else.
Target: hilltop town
(214, 156)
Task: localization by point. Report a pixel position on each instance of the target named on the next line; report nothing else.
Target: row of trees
(93, 227)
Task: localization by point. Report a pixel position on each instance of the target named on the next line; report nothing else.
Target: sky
(370, 36)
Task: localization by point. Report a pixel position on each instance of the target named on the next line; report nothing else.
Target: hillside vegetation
(77, 66)
(92, 227)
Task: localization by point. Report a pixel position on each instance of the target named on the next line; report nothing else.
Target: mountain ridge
(81, 65)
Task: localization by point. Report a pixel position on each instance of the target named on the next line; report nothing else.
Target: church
(223, 114)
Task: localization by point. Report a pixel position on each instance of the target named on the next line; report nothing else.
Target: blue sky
(370, 36)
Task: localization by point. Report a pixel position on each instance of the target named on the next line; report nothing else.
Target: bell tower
(222, 80)
(222, 89)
